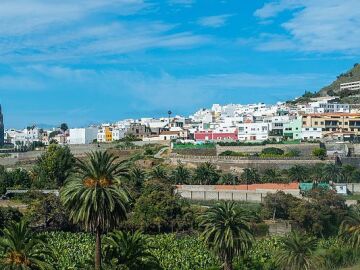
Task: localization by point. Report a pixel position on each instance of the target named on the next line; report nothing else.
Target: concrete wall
(209, 192)
(305, 149)
(353, 187)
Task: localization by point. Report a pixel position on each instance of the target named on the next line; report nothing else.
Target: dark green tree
(298, 173)
(226, 231)
(298, 253)
(8, 215)
(350, 228)
(157, 207)
(206, 174)
(132, 251)
(181, 175)
(48, 212)
(250, 176)
(228, 179)
(53, 167)
(94, 197)
(23, 250)
(319, 153)
(271, 176)
(64, 127)
(159, 172)
(333, 172)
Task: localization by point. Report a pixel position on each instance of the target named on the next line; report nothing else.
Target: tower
(1, 128)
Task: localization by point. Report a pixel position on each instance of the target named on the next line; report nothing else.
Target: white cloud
(186, 3)
(214, 21)
(272, 9)
(315, 25)
(38, 30)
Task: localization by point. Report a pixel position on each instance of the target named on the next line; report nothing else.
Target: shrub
(233, 153)
(9, 214)
(319, 153)
(272, 151)
(293, 153)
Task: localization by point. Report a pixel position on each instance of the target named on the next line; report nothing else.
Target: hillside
(334, 88)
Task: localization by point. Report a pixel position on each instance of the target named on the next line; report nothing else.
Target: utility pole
(169, 113)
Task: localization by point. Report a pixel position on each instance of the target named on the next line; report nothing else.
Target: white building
(253, 131)
(203, 115)
(82, 135)
(16, 137)
(118, 133)
(353, 86)
(333, 108)
(310, 134)
(32, 134)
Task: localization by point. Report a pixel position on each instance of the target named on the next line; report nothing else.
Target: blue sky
(89, 61)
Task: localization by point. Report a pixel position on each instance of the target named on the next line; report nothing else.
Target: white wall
(82, 135)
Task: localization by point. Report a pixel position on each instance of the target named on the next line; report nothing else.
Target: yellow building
(108, 134)
(333, 122)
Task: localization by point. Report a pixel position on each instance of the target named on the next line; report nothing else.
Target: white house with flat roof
(82, 135)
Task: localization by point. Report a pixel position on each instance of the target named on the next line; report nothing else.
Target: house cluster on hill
(320, 119)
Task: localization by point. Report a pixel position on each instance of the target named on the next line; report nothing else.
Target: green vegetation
(22, 249)
(53, 167)
(233, 154)
(266, 142)
(115, 214)
(319, 153)
(305, 98)
(193, 146)
(93, 198)
(226, 231)
(351, 75)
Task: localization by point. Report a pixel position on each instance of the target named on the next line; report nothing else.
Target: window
(316, 123)
(322, 123)
(304, 122)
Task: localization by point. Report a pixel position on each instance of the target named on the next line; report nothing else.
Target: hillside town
(319, 119)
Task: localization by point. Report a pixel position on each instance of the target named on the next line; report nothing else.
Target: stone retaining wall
(239, 163)
(305, 149)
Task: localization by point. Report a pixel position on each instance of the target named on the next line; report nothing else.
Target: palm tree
(271, 176)
(250, 176)
(206, 174)
(158, 172)
(181, 175)
(94, 197)
(228, 179)
(333, 172)
(129, 250)
(226, 231)
(137, 178)
(298, 253)
(316, 173)
(298, 173)
(348, 171)
(21, 249)
(350, 228)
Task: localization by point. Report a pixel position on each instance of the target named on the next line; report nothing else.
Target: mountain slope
(334, 88)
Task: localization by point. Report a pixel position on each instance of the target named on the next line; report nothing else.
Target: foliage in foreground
(75, 250)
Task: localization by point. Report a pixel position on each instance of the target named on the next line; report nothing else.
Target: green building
(292, 129)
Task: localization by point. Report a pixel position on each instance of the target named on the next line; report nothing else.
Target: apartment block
(353, 86)
(333, 122)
